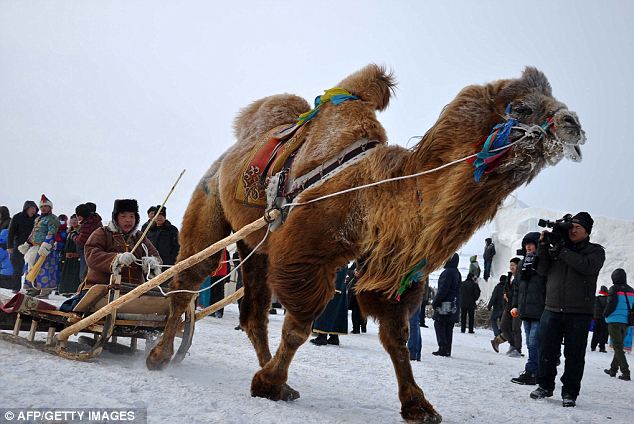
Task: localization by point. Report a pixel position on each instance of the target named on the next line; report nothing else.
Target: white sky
(108, 99)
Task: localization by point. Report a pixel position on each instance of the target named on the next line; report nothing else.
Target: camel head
(530, 102)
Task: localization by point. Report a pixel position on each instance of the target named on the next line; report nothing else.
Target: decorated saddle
(266, 159)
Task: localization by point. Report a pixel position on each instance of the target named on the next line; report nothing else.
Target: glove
(121, 260)
(126, 259)
(45, 249)
(150, 265)
(23, 248)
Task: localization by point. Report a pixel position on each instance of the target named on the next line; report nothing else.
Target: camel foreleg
(270, 381)
(393, 332)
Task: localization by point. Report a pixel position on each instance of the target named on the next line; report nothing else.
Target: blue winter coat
(5, 259)
(616, 309)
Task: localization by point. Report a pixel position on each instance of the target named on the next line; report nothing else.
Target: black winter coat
(469, 294)
(21, 226)
(489, 252)
(165, 239)
(448, 286)
(529, 293)
(496, 303)
(572, 277)
(599, 306)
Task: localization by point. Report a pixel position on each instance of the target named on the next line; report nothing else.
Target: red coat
(223, 266)
(86, 228)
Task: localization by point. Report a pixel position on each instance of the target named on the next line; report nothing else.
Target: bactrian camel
(393, 226)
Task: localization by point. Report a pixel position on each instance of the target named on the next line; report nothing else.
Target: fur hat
(45, 201)
(82, 210)
(585, 220)
(162, 211)
(125, 205)
(92, 207)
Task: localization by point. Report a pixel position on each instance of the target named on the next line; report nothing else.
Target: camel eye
(522, 110)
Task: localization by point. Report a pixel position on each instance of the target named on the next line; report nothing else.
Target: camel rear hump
(264, 114)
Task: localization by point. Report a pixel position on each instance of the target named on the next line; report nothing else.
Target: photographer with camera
(571, 265)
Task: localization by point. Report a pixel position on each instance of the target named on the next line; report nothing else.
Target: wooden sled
(141, 318)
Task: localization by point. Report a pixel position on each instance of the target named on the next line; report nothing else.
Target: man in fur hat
(571, 269)
(40, 244)
(108, 249)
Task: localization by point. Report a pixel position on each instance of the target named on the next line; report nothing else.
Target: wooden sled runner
(107, 314)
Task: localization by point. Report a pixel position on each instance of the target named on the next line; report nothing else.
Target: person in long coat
(41, 244)
(446, 305)
(333, 322)
(69, 282)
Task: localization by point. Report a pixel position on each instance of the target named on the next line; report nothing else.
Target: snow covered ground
(351, 383)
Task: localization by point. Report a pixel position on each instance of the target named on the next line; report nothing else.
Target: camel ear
(372, 84)
(535, 79)
(532, 80)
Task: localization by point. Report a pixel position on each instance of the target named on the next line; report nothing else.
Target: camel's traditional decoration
(393, 227)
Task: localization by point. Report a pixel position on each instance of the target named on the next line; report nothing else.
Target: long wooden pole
(160, 279)
(149, 226)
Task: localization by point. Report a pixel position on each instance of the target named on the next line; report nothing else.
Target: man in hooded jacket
(446, 305)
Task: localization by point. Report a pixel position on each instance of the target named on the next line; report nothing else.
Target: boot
(525, 379)
(625, 376)
(333, 340)
(568, 401)
(610, 372)
(497, 341)
(540, 393)
(320, 340)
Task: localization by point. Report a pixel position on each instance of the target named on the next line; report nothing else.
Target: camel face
(531, 103)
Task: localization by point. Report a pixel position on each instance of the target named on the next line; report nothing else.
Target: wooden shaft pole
(160, 279)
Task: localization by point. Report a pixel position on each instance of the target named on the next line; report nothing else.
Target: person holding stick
(37, 252)
(110, 249)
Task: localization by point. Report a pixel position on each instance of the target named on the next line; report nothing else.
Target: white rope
(226, 276)
(528, 133)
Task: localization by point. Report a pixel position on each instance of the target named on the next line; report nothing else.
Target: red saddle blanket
(267, 157)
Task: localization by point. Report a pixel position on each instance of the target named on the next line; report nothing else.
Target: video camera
(556, 238)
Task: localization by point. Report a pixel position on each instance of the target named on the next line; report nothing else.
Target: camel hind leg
(203, 225)
(254, 316)
(393, 332)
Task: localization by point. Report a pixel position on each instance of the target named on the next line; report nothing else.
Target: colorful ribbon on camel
(334, 95)
(498, 138)
(414, 274)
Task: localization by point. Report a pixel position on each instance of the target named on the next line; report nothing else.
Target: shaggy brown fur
(387, 224)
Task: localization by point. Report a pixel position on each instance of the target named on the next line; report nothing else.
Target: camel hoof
(263, 389)
(157, 360)
(420, 414)
(288, 393)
